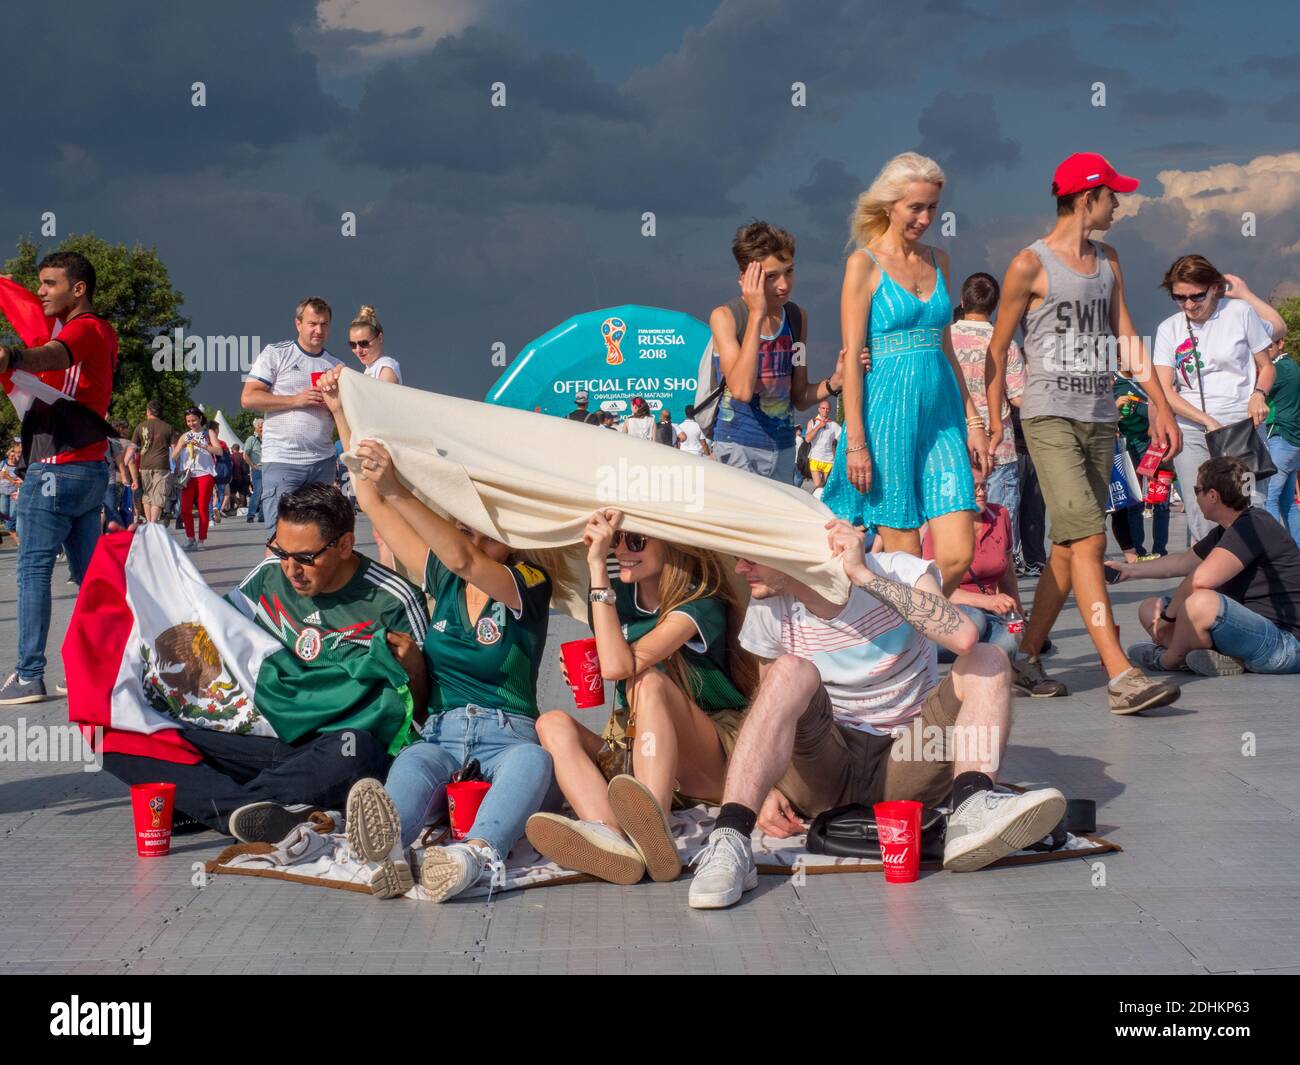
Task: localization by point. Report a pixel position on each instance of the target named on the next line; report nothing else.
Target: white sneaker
(590, 847)
(200, 546)
(991, 824)
(725, 871)
(374, 833)
(447, 871)
(189, 545)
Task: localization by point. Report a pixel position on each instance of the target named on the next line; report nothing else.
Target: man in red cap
(1067, 292)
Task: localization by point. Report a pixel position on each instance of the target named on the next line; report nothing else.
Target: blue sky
(478, 225)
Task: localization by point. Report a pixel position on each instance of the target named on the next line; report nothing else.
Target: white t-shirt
(196, 457)
(385, 361)
(1227, 342)
(877, 669)
(822, 448)
(299, 437)
(694, 436)
(642, 427)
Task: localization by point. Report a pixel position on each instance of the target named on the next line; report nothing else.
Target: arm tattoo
(931, 615)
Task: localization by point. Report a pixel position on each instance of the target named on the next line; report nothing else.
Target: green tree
(134, 292)
(1290, 311)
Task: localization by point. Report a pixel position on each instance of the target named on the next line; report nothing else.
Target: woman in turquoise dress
(912, 432)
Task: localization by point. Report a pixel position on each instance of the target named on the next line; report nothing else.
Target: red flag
(25, 313)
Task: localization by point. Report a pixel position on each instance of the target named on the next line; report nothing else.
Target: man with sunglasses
(325, 602)
(298, 434)
(1067, 292)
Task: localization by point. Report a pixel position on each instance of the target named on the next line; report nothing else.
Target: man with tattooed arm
(845, 693)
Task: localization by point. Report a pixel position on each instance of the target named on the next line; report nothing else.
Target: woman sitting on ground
(484, 646)
(666, 631)
(989, 593)
(1238, 607)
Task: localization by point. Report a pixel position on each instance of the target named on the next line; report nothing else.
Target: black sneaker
(269, 822)
(15, 690)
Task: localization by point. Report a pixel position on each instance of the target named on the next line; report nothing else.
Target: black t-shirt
(578, 414)
(1270, 583)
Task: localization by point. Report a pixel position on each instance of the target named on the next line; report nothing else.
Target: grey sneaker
(269, 822)
(1146, 656)
(724, 871)
(189, 545)
(1211, 663)
(991, 824)
(1133, 691)
(588, 846)
(1028, 677)
(15, 690)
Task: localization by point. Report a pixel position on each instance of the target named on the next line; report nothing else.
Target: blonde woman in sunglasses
(665, 631)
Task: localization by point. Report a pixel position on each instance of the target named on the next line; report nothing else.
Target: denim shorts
(1262, 646)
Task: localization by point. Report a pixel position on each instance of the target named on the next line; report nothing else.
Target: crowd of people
(782, 705)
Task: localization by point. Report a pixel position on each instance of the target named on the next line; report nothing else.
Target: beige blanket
(532, 481)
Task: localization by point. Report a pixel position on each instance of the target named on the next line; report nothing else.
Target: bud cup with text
(464, 797)
(898, 825)
(583, 667)
(151, 805)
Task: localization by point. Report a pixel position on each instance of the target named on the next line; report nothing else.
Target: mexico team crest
(308, 644)
(487, 631)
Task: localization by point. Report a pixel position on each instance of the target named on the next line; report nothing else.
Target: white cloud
(1268, 186)
(407, 26)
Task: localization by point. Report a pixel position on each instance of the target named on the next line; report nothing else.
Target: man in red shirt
(64, 438)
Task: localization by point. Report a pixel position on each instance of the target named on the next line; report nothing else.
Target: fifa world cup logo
(612, 329)
(156, 805)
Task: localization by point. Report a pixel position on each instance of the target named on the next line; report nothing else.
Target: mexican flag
(152, 651)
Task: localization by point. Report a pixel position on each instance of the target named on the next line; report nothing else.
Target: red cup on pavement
(463, 800)
(898, 825)
(151, 804)
(583, 666)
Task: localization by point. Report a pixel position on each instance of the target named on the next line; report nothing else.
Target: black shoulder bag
(1240, 440)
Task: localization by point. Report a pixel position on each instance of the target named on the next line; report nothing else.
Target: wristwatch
(602, 595)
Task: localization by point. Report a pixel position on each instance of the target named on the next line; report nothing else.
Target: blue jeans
(281, 478)
(1004, 489)
(992, 629)
(506, 747)
(255, 500)
(1262, 646)
(1286, 457)
(8, 511)
(779, 465)
(59, 507)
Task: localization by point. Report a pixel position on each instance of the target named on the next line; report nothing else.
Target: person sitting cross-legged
(324, 600)
(1238, 606)
(837, 683)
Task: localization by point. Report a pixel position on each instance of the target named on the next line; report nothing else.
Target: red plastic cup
(152, 806)
(463, 800)
(899, 827)
(315, 378)
(583, 667)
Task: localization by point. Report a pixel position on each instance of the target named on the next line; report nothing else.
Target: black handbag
(1240, 440)
(850, 832)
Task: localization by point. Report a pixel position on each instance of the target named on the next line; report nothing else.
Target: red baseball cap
(1089, 170)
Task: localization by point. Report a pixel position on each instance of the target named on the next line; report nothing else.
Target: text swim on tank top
(763, 422)
(1069, 345)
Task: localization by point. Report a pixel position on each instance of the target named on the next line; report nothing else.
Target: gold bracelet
(859, 447)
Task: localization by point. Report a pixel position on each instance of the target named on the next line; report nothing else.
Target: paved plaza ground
(1208, 882)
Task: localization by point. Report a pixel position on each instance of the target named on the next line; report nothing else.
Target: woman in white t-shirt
(1230, 329)
(366, 339)
(194, 453)
(640, 422)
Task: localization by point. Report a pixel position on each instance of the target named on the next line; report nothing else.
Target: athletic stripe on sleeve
(404, 594)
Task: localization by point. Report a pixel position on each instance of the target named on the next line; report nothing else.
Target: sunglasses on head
(633, 541)
(303, 558)
(1195, 297)
(358, 343)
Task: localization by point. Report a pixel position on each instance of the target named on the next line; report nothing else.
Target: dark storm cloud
(962, 133)
(829, 194)
(1194, 104)
(1049, 60)
(112, 82)
(1286, 109)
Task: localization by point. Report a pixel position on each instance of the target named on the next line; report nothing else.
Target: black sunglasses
(634, 541)
(1195, 297)
(303, 558)
(358, 343)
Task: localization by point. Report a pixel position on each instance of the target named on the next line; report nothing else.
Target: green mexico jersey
(705, 655)
(336, 625)
(493, 661)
